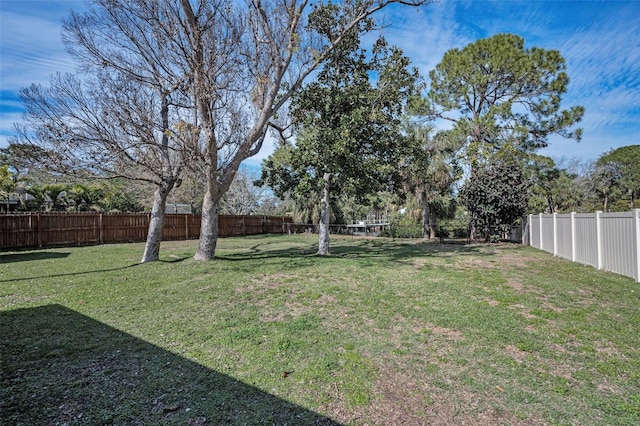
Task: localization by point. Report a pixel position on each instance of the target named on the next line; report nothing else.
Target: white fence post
(573, 236)
(599, 238)
(540, 230)
(555, 234)
(636, 221)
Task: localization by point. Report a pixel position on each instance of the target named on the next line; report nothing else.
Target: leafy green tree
(9, 184)
(496, 91)
(553, 189)
(620, 168)
(496, 195)
(350, 138)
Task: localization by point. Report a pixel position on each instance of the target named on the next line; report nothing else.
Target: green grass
(380, 332)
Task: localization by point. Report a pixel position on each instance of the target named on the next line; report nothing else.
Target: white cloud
(31, 51)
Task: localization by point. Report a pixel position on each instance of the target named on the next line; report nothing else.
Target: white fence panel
(586, 242)
(534, 231)
(546, 235)
(609, 241)
(618, 244)
(564, 246)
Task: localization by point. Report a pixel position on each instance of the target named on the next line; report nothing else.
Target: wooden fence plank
(62, 229)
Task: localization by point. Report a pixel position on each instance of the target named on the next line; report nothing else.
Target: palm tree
(55, 196)
(430, 174)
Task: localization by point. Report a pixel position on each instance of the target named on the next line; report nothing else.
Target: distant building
(10, 205)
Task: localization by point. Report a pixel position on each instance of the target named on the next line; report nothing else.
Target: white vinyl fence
(608, 241)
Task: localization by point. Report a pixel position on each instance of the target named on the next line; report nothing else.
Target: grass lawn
(381, 332)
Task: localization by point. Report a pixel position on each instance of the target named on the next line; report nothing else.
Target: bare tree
(280, 46)
(171, 84)
(126, 117)
(244, 197)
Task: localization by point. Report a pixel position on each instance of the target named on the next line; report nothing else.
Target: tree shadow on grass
(364, 250)
(31, 255)
(70, 274)
(61, 367)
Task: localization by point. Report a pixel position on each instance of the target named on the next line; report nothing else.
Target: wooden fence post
(100, 233)
(39, 224)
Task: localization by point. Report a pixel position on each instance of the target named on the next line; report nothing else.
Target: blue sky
(600, 41)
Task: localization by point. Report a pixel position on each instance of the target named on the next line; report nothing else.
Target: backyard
(381, 332)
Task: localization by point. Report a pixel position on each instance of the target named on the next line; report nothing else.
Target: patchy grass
(380, 332)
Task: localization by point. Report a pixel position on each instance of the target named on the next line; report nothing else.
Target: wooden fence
(63, 229)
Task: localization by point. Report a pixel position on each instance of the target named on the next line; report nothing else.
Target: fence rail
(60, 229)
(608, 241)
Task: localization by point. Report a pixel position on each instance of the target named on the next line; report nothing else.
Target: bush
(403, 230)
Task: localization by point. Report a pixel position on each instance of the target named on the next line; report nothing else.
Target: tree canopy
(496, 91)
(496, 195)
(349, 139)
(622, 167)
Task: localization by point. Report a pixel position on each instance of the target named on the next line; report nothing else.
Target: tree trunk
(426, 231)
(209, 223)
(156, 224)
(325, 213)
(472, 228)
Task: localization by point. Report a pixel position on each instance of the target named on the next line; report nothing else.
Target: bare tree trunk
(210, 204)
(325, 214)
(426, 231)
(208, 226)
(432, 229)
(156, 224)
(472, 228)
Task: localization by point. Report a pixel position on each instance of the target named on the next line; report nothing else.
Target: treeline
(609, 184)
(28, 186)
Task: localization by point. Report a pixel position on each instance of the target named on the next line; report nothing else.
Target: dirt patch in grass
(490, 301)
(266, 282)
(606, 347)
(524, 311)
(325, 299)
(470, 264)
(506, 256)
(446, 332)
(517, 354)
(403, 400)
